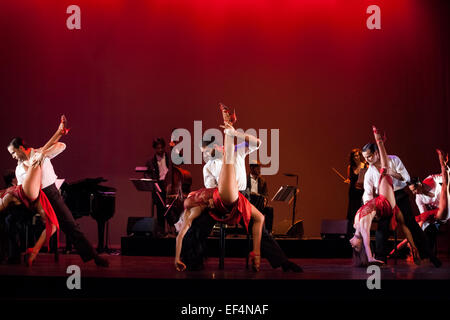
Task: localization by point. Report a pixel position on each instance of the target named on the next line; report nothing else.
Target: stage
(155, 281)
(141, 85)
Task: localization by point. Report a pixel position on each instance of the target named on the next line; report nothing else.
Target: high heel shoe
(416, 256)
(228, 117)
(63, 126)
(377, 132)
(27, 258)
(255, 260)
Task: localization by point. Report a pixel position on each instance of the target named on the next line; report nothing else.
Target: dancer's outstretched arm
(364, 231)
(190, 215)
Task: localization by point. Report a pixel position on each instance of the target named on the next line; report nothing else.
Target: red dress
(233, 213)
(17, 192)
(381, 205)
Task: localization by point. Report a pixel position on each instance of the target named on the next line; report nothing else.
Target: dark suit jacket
(153, 169)
(262, 186)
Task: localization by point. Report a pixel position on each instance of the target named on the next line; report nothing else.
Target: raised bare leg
(228, 188)
(408, 235)
(258, 223)
(385, 188)
(32, 183)
(443, 199)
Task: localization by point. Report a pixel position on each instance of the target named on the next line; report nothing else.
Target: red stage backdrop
(137, 69)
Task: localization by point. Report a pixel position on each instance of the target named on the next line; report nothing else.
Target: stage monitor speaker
(141, 226)
(334, 229)
(296, 231)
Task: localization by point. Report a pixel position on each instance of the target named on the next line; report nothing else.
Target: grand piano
(88, 198)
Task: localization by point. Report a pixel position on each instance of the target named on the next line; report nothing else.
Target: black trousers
(160, 207)
(382, 234)
(194, 243)
(68, 225)
(268, 215)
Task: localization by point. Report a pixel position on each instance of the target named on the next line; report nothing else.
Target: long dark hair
(352, 160)
(360, 257)
(17, 142)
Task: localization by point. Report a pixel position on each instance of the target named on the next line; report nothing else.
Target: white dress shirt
(211, 170)
(162, 167)
(372, 178)
(48, 173)
(253, 184)
(423, 201)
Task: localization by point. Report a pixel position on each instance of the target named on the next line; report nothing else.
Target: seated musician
(259, 195)
(160, 168)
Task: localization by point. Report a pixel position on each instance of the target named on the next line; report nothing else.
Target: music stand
(286, 194)
(145, 184)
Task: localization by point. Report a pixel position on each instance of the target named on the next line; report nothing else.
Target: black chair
(222, 235)
(30, 236)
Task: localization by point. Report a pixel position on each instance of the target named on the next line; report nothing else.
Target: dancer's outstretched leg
(385, 188)
(229, 191)
(32, 188)
(32, 182)
(227, 186)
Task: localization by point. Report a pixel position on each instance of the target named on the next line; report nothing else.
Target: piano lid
(91, 184)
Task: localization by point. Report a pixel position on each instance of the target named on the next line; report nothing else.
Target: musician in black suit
(259, 194)
(160, 168)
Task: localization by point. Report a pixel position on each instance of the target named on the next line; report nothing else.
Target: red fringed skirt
(383, 210)
(17, 192)
(230, 214)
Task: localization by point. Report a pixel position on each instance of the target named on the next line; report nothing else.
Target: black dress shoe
(101, 262)
(13, 260)
(435, 261)
(197, 267)
(290, 266)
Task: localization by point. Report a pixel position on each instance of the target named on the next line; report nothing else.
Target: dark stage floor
(137, 281)
(162, 268)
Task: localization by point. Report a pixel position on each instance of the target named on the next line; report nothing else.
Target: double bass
(180, 184)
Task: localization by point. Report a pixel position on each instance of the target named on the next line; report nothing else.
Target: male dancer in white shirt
(20, 152)
(400, 177)
(428, 196)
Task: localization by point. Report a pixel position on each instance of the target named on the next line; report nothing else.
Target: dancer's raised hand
(373, 261)
(37, 159)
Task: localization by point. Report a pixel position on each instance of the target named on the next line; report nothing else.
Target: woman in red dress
(225, 203)
(31, 195)
(382, 206)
